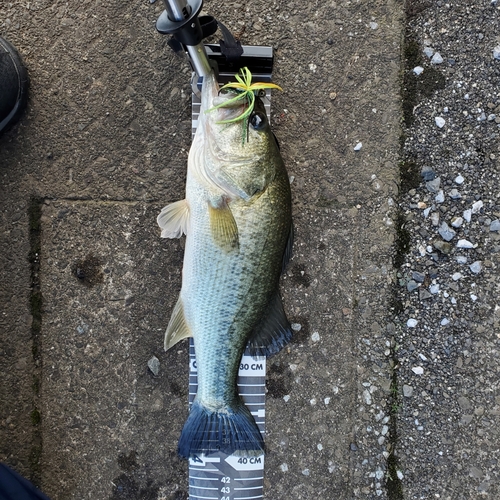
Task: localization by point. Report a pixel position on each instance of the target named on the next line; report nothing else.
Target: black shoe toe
(13, 85)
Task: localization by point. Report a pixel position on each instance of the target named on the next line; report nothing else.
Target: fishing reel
(187, 29)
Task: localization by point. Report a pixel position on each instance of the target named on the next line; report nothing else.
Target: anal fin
(177, 328)
(273, 332)
(174, 219)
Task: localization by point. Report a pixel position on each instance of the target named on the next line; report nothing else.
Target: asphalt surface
(87, 285)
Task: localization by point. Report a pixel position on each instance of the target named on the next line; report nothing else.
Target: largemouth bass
(238, 226)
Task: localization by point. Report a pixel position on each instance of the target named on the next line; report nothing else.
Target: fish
(237, 218)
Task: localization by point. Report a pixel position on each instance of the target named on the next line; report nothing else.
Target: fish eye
(258, 120)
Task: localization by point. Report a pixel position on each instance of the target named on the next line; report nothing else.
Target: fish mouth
(225, 110)
(219, 103)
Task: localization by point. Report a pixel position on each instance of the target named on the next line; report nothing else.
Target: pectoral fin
(223, 227)
(177, 328)
(174, 219)
(273, 332)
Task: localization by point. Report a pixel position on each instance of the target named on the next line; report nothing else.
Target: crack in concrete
(36, 307)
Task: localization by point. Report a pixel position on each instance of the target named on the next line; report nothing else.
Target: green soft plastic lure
(245, 91)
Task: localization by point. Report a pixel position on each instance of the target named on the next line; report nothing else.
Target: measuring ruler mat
(231, 477)
(259, 61)
(219, 476)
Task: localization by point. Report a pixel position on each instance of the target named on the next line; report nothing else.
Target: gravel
(449, 346)
(154, 365)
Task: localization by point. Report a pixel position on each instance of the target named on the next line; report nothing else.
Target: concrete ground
(87, 286)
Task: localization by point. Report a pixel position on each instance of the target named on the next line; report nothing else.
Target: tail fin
(228, 430)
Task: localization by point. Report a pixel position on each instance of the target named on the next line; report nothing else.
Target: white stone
(315, 337)
(446, 232)
(457, 221)
(367, 397)
(373, 25)
(467, 214)
(154, 365)
(476, 267)
(440, 121)
(459, 179)
(464, 244)
(456, 276)
(407, 391)
(411, 323)
(358, 146)
(429, 52)
(418, 70)
(473, 297)
(439, 197)
(436, 58)
(445, 321)
(477, 206)
(496, 52)
(417, 370)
